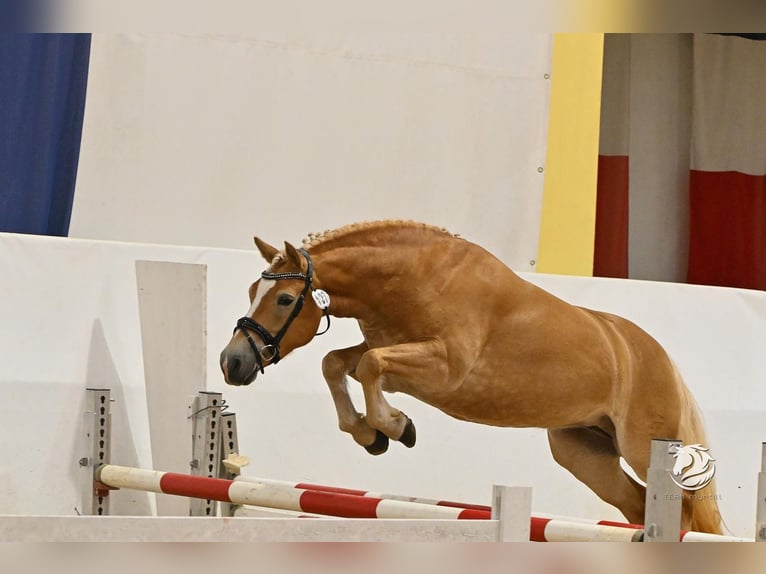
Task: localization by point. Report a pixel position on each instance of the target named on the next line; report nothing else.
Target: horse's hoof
(408, 435)
(379, 445)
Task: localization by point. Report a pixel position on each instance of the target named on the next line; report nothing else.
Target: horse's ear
(267, 251)
(295, 257)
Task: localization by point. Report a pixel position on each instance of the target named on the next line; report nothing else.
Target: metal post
(96, 451)
(662, 517)
(229, 446)
(760, 517)
(206, 445)
(512, 507)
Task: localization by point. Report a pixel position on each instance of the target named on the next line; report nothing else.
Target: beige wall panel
(210, 139)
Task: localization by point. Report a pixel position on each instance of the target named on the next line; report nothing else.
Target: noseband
(270, 351)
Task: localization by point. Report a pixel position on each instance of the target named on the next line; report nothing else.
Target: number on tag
(321, 298)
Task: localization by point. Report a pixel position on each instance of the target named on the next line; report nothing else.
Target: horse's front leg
(421, 364)
(336, 366)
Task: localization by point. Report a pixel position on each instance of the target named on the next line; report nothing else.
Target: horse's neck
(354, 276)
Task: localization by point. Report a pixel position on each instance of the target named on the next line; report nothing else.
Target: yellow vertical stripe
(568, 219)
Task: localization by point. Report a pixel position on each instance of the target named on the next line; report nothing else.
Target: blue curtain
(43, 79)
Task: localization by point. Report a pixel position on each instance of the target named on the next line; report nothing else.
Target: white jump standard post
(760, 517)
(215, 448)
(206, 445)
(662, 518)
(229, 448)
(512, 506)
(97, 424)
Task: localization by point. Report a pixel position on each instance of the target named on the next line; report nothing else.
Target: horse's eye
(284, 300)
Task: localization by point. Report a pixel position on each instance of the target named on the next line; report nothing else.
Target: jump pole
(274, 495)
(298, 500)
(279, 496)
(543, 527)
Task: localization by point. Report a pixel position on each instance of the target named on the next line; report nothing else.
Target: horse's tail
(702, 504)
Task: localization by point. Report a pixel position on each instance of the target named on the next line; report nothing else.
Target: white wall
(70, 320)
(208, 139)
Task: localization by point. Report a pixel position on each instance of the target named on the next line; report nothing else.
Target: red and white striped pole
(544, 527)
(275, 495)
(348, 503)
(365, 493)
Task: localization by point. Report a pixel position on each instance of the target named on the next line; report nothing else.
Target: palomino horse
(445, 321)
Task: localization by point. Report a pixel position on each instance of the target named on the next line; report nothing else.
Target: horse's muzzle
(238, 368)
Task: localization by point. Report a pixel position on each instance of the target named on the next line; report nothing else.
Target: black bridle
(270, 351)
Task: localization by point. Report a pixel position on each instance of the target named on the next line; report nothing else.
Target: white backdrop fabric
(70, 320)
(209, 139)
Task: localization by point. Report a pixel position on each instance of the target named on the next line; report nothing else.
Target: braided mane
(318, 238)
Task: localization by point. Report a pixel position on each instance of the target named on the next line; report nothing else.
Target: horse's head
(281, 316)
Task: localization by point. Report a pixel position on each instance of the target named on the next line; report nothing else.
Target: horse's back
(545, 362)
(523, 356)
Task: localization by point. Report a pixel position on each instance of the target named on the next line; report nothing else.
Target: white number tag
(321, 298)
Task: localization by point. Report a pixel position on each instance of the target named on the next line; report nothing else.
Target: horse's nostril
(234, 364)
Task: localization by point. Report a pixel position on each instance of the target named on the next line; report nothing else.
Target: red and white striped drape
(611, 236)
(705, 112)
(727, 193)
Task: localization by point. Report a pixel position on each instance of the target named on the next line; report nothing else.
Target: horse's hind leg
(336, 366)
(589, 454)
